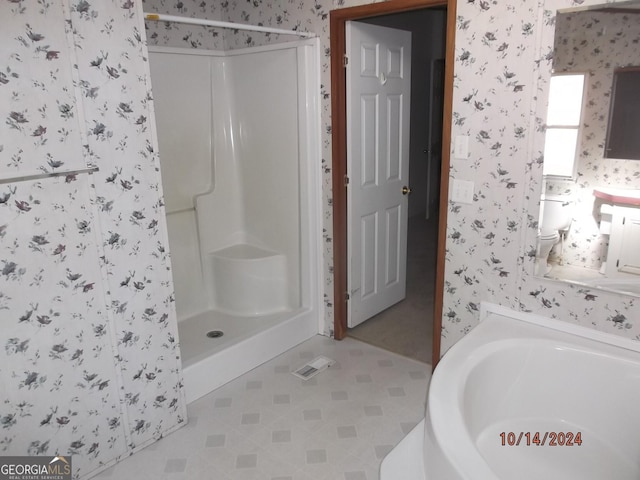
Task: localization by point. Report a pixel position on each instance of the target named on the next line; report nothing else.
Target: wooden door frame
(338, 19)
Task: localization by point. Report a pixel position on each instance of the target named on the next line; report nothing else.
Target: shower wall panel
(220, 211)
(266, 86)
(182, 94)
(191, 292)
(230, 152)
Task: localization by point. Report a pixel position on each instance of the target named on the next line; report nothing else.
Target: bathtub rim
(448, 428)
(488, 309)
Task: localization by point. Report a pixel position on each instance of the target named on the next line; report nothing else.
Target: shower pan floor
(246, 342)
(195, 345)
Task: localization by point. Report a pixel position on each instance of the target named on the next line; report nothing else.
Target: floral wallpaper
(492, 99)
(60, 384)
(40, 110)
(597, 43)
(121, 140)
(90, 365)
(182, 35)
(503, 60)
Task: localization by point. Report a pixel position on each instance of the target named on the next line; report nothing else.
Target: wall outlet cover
(462, 191)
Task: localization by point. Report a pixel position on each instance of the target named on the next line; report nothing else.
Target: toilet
(556, 215)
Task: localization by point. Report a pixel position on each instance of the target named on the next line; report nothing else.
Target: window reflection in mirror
(564, 114)
(595, 41)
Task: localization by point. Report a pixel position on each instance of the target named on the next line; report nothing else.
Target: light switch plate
(462, 191)
(461, 147)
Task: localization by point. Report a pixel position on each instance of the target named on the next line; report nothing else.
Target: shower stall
(239, 142)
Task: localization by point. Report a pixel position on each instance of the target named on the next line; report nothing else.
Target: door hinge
(346, 180)
(624, 220)
(345, 60)
(347, 297)
(617, 263)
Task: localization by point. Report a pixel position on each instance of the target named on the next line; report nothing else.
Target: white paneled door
(378, 88)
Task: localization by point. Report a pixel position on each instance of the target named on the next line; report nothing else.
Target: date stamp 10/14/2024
(541, 439)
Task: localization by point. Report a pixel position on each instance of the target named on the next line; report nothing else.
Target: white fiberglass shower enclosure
(240, 155)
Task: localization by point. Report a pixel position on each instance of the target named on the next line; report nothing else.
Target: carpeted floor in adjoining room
(406, 328)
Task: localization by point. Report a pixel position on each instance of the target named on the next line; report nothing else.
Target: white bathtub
(515, 376)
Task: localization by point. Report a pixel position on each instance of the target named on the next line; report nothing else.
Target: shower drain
(215, 333)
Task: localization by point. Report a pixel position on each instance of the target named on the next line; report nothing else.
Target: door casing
(337, 21)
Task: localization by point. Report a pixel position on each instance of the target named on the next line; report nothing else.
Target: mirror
(586, 220)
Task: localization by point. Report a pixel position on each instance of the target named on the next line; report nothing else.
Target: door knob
(406, 190)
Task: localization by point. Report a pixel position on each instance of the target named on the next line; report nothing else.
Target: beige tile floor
(271, 425)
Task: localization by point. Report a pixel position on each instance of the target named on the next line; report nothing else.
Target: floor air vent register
(312, 368)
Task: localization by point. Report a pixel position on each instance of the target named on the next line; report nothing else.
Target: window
(564, 112)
